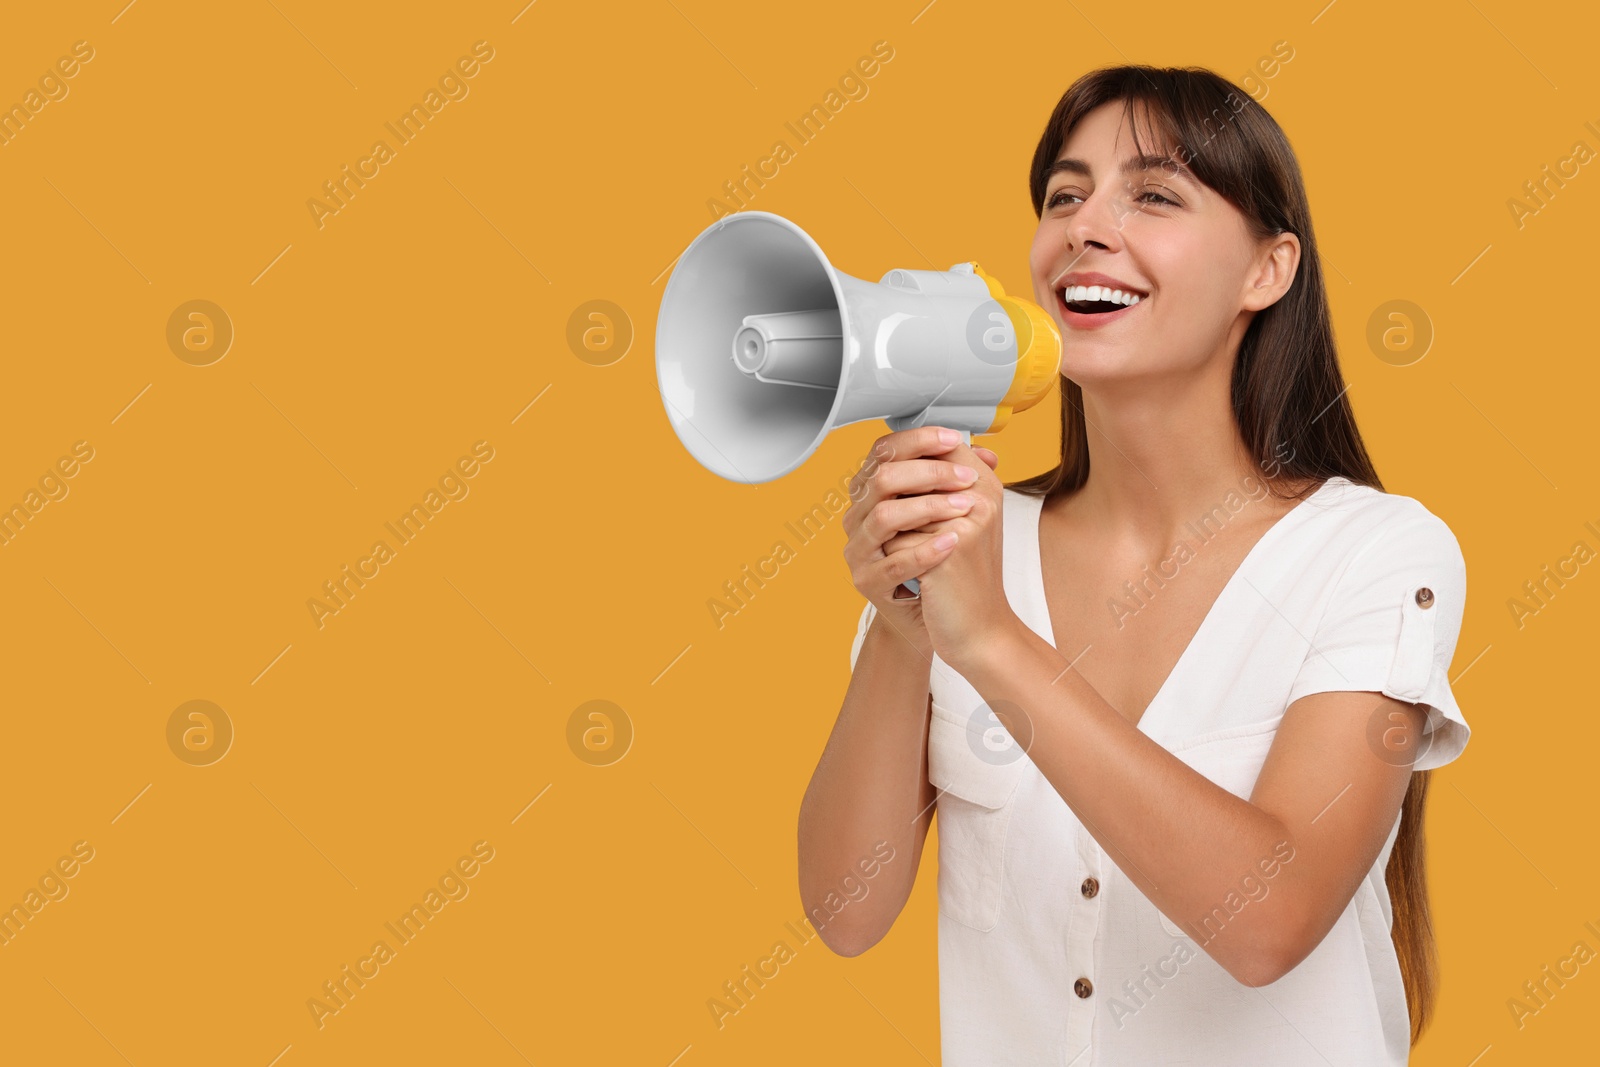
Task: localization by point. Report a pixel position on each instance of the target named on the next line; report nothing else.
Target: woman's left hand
(964, 603)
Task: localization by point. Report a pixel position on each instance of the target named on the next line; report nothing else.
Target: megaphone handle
(911, 584)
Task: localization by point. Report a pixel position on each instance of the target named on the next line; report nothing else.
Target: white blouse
(1048, 954)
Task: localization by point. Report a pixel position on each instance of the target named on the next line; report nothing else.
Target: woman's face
(1152, 230)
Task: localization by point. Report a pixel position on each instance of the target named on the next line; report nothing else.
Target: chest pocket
(976, 766)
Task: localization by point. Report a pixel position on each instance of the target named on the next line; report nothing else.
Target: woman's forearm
(866, 812)
(1183, 839)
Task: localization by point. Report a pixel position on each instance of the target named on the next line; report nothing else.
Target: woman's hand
(964, 605)
(907, 494)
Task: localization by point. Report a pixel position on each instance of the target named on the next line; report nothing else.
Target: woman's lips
(1079, 320)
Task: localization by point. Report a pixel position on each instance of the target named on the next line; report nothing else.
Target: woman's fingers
(922, 476)
(902, 463)
(892, 517)
(913, 538)
(884, 575)
(903, 502)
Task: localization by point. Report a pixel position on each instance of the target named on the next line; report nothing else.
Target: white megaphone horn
(763, 348)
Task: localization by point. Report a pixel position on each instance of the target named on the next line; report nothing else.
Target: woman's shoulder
(1362, 516)
(1342, 496)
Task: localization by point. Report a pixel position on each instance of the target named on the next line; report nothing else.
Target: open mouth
(1097, 299)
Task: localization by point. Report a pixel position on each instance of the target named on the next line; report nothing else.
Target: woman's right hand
(903, 497)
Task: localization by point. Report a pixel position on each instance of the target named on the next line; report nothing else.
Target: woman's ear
(1273, 272)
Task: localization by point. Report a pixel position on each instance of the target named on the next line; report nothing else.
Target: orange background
(432, 712)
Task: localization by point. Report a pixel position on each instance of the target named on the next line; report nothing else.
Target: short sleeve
(867, 615)
(1391, 626)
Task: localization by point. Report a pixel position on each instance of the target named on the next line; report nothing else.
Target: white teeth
(1099, 292)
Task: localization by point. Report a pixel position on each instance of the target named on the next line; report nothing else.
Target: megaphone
(763, 347)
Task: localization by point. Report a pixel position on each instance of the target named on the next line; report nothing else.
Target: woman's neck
(1162, 453)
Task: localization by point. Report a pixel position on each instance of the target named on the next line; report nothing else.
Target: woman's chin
(1096, 364)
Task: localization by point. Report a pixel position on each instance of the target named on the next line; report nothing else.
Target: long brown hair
(1287, 391)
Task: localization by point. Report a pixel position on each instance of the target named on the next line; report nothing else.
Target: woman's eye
(1061, 197)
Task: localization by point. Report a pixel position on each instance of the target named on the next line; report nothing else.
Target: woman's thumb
(988, 456)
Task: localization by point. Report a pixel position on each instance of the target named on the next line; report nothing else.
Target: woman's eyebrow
(1134, 164)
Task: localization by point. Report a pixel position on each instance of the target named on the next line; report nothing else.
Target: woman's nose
(1098, 221)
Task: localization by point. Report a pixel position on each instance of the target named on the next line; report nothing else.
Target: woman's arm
(870, 787)
(1187, 842)
(866, 812)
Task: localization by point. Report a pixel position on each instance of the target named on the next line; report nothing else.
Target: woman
(1183, 690)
